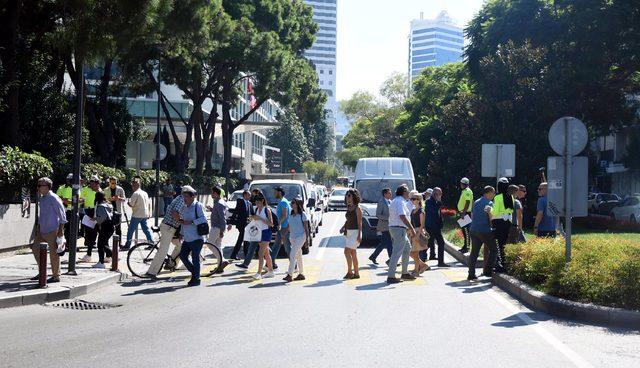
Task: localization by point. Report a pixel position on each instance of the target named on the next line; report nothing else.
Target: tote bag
(253, 231)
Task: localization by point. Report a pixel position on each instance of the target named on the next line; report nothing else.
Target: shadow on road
(370, 287)
(324, 283)
(333, 242)
(269, 285)
(516, 321)
(236, 281)
(161, 290)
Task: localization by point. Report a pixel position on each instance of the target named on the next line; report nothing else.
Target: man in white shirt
(141, 210)
(400, 229)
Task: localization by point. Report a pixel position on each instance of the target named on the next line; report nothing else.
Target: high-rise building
(323, 51)
(434, 42)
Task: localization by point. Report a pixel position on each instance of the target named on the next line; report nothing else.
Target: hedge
(19, 169)
(605, 269)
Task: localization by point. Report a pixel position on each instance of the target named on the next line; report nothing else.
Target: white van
(373, 175)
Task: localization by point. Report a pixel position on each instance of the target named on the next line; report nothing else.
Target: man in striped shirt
(168, 229)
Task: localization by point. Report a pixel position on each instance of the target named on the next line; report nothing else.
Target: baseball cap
(503, 180)
(70, 177)
(430, 191)
(279, 189)
(95, 178)
(464, 181)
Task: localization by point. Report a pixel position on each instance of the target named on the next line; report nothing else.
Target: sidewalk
(18, 267)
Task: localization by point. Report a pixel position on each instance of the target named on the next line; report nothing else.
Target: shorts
(266, 235)
(352, 239)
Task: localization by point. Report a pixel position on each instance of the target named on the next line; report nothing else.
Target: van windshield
(371, 189)
(291, 191)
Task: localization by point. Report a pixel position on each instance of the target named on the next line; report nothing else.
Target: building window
(321, 82)
(331, 83)
(258, 144)
(330, 72)
(321, 71)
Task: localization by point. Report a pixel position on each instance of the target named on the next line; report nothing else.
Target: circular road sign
(574, 129)
(163, 152)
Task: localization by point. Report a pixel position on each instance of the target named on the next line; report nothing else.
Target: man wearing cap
(168, 228)
(116, 196)
(65, 192)
(283, 211)
(51, 221)
(434, 224)
(464, 209)
(90, 233)
(140, 212)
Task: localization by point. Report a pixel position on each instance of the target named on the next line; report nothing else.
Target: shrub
(605, 269)
(19, 169)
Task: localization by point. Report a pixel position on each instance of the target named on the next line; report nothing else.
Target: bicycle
(141, 255)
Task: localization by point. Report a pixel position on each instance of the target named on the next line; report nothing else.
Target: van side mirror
(311, 203)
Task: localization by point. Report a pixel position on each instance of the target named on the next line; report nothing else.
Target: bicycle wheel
(210, 259)
(140, 257)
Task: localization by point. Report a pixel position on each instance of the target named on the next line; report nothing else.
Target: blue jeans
(250, 252)
(134, 225)
(385, 243)
(401, 247)
(278, 243)
(194, 248)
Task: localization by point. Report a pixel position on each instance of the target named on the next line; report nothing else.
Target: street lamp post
(157, 196)
(77, 143)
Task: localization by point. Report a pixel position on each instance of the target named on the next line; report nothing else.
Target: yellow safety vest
(499, 211)
(65, 192)
(89, 197)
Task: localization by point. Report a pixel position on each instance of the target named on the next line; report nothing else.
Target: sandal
(356, 276)
(348, 276)
(300, 277)
(288, 278)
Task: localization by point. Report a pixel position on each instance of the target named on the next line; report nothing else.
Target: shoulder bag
(203, 228)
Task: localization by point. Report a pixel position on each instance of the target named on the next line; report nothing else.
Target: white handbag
(253, 231)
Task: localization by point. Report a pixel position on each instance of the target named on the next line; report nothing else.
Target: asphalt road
(439, 320)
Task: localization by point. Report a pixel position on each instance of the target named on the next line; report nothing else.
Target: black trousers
(436, 234)
(240, 242)
(67, 226)
(105, 232)
(502, 234)
(489, 242)
(90, 235)
(466, 233)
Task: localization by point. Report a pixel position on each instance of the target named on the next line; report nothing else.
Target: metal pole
(498, 159)
(568, 168)
(77, 144)
(157, 151)
(138, 174)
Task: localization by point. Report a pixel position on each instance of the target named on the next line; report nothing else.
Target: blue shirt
(481, 222)
(52, 213)
(195, 213)
(283, 205)
(548, 223)
(297, 226)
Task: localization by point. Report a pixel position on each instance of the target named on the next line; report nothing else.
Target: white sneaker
(257, 276)
(85, 259)
(98, 265)
(268, 275)
(107, 260)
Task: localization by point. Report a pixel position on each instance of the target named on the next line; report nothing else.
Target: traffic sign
(498, 160)
(572, 128)
(556, 191)
(141, 155)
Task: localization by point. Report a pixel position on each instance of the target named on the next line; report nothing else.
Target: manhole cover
(82, 305)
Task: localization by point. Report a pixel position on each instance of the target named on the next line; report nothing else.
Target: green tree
(289, 137)
(321, 172)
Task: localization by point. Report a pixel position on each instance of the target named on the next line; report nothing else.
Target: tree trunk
(108, 127)
(176, 157)
(209, 138)
(11, 134)
(227, 141)
(196, 120)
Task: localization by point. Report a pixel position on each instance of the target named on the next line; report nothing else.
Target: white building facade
(323, 53)
(433, 42)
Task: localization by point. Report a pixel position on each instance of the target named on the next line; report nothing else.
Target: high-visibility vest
(65, 192)
(499, 211)
(89, 197)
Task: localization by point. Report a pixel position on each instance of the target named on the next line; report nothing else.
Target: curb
(41, 296)
(558, 307)
(462, 258)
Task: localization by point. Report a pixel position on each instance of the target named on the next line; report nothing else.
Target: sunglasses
(415, 199)
(42, 185)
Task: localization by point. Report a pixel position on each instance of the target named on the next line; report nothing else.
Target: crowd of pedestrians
(410, 224)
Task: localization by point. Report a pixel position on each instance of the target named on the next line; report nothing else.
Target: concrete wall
(15, 229)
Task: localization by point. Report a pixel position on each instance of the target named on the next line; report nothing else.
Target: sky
(373, 37)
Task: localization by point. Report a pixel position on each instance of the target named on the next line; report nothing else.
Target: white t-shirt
(398, 207)
(139, 203)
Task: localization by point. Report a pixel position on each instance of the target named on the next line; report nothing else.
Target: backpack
(276, 221)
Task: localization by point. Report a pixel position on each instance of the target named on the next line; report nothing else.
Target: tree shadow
(519, 320)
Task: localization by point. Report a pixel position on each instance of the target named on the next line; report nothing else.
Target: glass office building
(323, 51)
(434, 42)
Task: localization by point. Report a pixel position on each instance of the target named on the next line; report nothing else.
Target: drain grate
(82, 305)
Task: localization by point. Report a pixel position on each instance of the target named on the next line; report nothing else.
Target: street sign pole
(498, 160)
(568, 168)
(157, 194)
(77, 153)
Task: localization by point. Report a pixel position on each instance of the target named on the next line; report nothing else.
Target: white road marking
(576, 359)
(321, 250)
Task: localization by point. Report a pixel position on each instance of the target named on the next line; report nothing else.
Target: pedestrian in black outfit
(501, 219)
(104, 227)
(434, 224)
(240, 218)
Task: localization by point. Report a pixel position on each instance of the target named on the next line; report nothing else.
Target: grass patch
(605, 268)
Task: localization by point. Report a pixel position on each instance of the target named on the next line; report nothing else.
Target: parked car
(602, 203)
(336, 199)
(627, 210)
(324, 197)
(317, 214)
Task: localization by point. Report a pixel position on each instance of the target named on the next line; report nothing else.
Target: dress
(352, 229)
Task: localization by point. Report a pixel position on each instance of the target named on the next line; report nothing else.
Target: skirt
(266, 235)
(352, 239)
